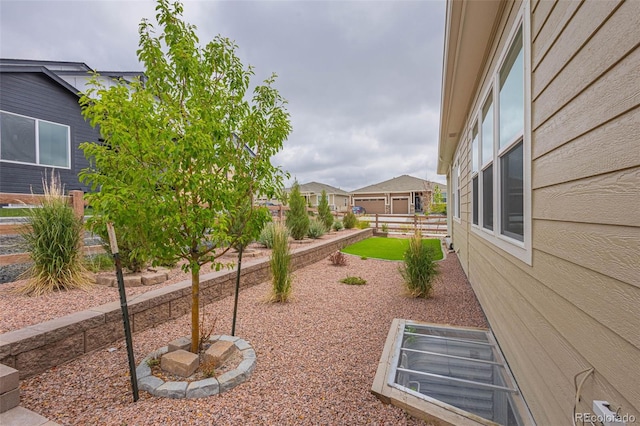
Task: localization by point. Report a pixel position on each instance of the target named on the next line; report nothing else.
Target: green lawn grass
(389, 248)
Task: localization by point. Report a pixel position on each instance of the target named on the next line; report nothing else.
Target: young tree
(324, 211)
(184, 152)
(297, 218)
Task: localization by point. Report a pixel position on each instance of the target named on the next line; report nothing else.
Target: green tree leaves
(184, 152)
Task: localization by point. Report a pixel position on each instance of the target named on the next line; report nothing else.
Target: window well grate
(448, 373)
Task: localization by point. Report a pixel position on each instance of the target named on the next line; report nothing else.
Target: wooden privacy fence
(76, 201)
(407, 223)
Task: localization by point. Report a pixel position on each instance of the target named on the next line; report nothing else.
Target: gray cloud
(362, 77)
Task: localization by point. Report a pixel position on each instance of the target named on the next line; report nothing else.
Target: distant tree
(324, 211)
(297, 218)
(437, 204)
(174, 165)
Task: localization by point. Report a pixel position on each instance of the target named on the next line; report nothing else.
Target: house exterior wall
(37, 96)
(574, 305)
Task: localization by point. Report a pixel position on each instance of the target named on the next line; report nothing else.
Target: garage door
(371, 206)
(400, 206)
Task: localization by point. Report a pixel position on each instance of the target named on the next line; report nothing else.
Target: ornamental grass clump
(280, 265)
(419, 270)
(316, 229)
(53, 238)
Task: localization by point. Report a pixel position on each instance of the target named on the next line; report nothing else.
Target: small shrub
(324, 212)
(385, 227)
(338, 258)
(362, 224)
(54, 242)
(208, 369)
(280, 269)
(349, 220)
(316, 229)
(100, 262)
(297, 219)
(337, 225)
(153, 361)
(266, 235)
(353, 281)
(419, 270)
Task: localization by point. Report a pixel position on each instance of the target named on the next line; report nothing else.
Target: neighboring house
(312, 192)
(41, 125)
(401, 195)
(539, 140)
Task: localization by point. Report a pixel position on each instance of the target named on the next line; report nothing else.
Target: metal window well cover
(451, 375)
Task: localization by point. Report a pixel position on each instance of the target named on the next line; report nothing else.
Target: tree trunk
(195, 310)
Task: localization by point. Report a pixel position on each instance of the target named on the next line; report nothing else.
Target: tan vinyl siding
(576, 306)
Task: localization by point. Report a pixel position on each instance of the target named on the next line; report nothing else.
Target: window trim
(522, 250)
(37, 142)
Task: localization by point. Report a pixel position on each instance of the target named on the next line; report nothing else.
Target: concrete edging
(199, 388)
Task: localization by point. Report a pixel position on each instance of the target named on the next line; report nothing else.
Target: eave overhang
(469, 31)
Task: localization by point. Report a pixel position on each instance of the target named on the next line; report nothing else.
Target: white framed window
(501, 186)
(456, 190)
(475, 164)
(27, 140)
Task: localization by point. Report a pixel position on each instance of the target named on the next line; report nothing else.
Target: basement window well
(455, 375)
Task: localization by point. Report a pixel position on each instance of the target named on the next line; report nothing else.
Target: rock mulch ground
(316, 355)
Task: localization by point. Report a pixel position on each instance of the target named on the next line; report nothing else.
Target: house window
(456, 190)
(475, 161)
(500, 170)
(511, 121)
(32, 141)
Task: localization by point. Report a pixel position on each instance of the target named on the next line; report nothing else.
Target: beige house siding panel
(615, 93)
(612, 42)
(523, 336)
(605, 198)
(587, 290)
(609, 250)
(552, 28)
(566, 332)
(559, 166)
(588, 37)
(540, 15)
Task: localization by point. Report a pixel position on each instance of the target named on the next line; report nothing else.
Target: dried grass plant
(53, 237)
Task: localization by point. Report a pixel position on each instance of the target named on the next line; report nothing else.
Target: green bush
(350, 220)
(100, 262)
(385, 227)
(54, 238)
(324, 212)
(130, 247)
(280, 265)
(297, 218)
(353, 281)
(316, 229)
(419, 270)
(337, 225)
(362, 224)
(266, 235)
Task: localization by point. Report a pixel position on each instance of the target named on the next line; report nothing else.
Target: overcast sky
(362, 78)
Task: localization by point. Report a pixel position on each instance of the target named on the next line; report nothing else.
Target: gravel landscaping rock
(316, 355)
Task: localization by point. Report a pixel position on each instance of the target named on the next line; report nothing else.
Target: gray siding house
(41, 125)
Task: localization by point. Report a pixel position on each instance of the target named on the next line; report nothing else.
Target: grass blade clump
(280, 265)
(53, 239)
(316, 229)
(419, 270)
